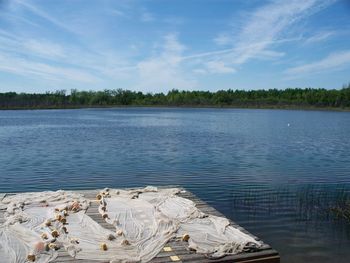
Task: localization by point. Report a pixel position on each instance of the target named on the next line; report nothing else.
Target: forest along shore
(334, 99)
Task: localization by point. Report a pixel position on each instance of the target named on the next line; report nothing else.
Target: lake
(275, 172)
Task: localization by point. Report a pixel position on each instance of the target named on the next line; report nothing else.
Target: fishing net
(144, 220)
(33, 221)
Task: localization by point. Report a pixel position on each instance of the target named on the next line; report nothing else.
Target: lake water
(274, 172)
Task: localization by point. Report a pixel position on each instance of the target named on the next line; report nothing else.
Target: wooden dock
(175, 250)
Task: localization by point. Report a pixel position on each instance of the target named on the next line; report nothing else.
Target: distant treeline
(272, 98)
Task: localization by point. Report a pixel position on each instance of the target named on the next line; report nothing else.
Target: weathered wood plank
(244, 257)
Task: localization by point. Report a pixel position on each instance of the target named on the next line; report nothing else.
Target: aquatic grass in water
(303, 202)
(341, 209)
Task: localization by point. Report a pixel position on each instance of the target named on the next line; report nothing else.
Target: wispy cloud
(43, 48)
(269, 23)
(209, 54)
(17, 19)
(266, 27)
(31, 69)
(147, 17)
(319, 37)
(39, 57)
(269, 54)
(44, 15)
(223, 39)
(164, 71)
(219, 67)
(334, 61)
(109, 51)
(118, 12)
(18, 46)
(174, 20)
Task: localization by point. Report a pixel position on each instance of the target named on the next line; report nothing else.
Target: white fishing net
(30, 227)
(37, 224)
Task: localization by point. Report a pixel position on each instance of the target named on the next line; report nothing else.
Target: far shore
(286, 99)
(275, 107)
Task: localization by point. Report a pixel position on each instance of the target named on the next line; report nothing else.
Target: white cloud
(174, 20)
(44, 15)
(117, 12)
(164, 72)
(267, 24)
(264, 29)
(334, 61)
(18, 19)
(16, 45)
(43, 48)
(319, 37)
(267, 27)
(200, 71)
(173, 49)
(269, 54)
(40, 58)
(147, 17)
(223, 39)
(31, 69)
(87, 60)
(6, 34)
(219, 67)
(209, 54)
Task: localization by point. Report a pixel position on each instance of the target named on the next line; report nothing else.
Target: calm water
(274, 179)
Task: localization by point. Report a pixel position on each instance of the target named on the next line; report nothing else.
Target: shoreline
(298, 108)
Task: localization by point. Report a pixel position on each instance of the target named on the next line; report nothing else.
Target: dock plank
(178, 248)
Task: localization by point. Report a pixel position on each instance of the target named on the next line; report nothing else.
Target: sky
(155, 46)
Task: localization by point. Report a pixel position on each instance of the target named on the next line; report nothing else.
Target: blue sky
(155, 46)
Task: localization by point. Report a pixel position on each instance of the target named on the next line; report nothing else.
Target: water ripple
(275, 180)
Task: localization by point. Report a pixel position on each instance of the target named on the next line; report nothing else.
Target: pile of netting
(38, 224)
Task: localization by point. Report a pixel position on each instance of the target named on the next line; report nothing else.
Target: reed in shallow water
(303, 203)
(342, 211)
